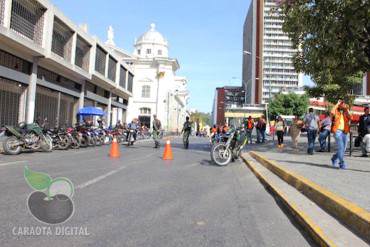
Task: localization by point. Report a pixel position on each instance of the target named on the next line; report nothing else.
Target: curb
(354, 217)
(306, 222)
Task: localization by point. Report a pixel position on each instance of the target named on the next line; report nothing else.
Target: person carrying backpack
(249, 126)
(186, 131)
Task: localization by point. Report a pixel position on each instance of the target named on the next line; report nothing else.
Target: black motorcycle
(26, 137)
(229, 148)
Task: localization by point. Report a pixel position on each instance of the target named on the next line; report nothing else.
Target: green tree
(201, 117)
(288, 104)
(333, 42)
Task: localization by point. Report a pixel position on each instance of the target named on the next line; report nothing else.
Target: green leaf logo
(37, 180)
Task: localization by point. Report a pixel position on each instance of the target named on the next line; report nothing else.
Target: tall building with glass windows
(267, 55)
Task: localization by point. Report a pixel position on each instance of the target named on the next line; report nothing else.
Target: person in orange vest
(225, 128)
(249, 126)
(340, 129)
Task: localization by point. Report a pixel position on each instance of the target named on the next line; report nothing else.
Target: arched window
(145, 91)
(145, 111)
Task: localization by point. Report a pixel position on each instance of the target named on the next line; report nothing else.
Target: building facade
(229, 107)
(157, 89)
(50, 68)
(267, 55)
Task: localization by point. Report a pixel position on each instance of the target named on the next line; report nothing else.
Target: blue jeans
(341, 139)
(311, 135)
(261, 136)
(249, 135)
(322, 139)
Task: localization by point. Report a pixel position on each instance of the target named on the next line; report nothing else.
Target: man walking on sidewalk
(249, 126)
(324, 131)
(341, 128)
(156, 131)
(363, 130)
(312, 123)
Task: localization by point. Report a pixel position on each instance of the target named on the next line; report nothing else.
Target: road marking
(97, 179)
(12, 163)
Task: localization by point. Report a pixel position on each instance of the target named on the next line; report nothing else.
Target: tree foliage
(289, 104)
(201, 117)
(333, 42)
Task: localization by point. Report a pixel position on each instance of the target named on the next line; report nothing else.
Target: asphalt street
(141, 200)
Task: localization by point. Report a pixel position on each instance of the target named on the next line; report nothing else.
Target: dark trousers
(311, 136)
(249, 135)
(322, 139)
(185, 139)
(280, 137)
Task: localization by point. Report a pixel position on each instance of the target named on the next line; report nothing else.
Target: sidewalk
(353, 183)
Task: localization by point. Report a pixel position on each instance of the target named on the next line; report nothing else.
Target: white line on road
(97, 179)
(12, 163)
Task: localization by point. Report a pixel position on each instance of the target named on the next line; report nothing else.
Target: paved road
(140, 200)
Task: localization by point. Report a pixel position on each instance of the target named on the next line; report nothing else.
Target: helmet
(22, 125)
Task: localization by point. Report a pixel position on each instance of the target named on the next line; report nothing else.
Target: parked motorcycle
(60, 139)
(223, 153)
(26, 137)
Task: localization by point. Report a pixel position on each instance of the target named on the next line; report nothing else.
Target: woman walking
(280, 130)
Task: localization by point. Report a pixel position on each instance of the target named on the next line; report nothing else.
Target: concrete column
(118, 73)
(106, 65)
(109, 110)
(31, 93)
(73, 48)
(92, 59)
(58, 111)
(81, 100)
(47, 38)
(7, 13)
(22, 106)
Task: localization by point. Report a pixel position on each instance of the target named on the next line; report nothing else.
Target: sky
(206, 36)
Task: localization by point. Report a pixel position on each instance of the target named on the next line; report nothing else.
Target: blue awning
(91, 111)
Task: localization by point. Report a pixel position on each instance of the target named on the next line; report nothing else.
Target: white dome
(152, 37)
(151, 44)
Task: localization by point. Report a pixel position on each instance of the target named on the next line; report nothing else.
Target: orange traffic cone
(114, 150)
(167, 154)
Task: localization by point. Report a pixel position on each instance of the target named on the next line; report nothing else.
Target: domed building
(156, 87)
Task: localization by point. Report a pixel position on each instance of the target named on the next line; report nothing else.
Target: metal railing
(112, 65)
(122, 79)
(15, 63)
(82, 58)
(27, 19)
(100, 60)
(61, 40)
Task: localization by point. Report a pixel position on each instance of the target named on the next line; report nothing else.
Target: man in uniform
(186, 130)
(156, 131)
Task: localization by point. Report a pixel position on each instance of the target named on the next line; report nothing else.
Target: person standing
(312, 123)
(341, 128)
(186, 130)
(295, 131)
(156, 131)
(261, 130)
(249, 126)
(324, 131)
(363, 130)
(280, 131)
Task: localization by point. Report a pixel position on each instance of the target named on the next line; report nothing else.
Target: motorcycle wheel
(221, 155)
(11, 146)
(64, 143)
(75, 143)
(46, 143)
(91, 141)
(84, 141)
(98, 141)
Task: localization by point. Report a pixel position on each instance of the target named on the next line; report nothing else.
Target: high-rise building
(267, 54)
